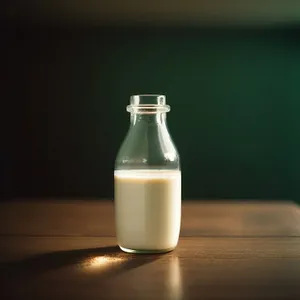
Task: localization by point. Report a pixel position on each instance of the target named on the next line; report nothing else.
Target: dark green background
(234, 95)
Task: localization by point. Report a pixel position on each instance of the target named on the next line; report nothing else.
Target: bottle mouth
(148, 104)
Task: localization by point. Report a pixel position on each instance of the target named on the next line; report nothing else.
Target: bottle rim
(148, 108)
(148, 103)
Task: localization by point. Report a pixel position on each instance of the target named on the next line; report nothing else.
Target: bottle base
(145, 251)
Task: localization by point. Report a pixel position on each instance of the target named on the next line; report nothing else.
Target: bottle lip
(148, 108)
(148, 103)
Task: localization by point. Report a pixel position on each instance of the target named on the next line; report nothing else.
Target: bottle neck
(158, 118)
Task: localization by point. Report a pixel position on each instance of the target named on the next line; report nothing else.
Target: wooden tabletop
(227, 250)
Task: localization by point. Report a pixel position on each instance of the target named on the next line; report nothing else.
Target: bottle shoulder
(148, 147)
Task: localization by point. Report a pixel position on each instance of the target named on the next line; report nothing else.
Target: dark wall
(234, 95)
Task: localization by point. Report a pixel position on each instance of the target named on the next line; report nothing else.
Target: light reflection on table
(167, 282)
(174, 279)
(101, 262)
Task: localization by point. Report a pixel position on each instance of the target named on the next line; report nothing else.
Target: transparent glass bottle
(147, 180)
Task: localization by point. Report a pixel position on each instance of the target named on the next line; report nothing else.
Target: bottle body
(148, 209)
(148, 184)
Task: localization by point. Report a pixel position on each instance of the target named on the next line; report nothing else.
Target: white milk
(148, 209)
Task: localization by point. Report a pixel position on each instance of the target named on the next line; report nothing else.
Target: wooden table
(67, 250)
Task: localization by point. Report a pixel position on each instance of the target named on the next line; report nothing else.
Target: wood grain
(96, 218)
(200, 268)
(67, 250)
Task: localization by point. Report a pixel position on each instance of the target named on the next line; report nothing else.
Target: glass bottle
(147, 180)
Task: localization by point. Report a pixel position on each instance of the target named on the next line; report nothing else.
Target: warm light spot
(100, 261)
